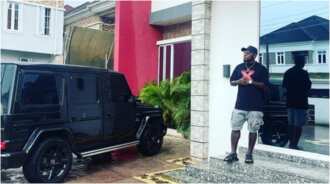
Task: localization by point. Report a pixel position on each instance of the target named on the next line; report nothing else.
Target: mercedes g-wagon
(50, 112)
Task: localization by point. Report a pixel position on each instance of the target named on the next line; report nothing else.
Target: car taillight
(2, 145)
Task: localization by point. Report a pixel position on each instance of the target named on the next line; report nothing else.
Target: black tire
(49, 162)
(275, 135)
(151, 140)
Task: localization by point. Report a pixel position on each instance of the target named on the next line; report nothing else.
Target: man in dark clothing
(297, 84)
(251, 78)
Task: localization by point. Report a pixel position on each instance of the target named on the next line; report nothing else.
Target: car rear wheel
(276, 135)
(50, 162)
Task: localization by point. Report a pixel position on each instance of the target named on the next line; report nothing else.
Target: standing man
(297, 84)
(251, 78)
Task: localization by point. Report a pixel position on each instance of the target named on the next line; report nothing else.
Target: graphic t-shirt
(249, 97)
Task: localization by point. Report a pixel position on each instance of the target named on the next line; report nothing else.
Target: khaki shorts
(254, 119)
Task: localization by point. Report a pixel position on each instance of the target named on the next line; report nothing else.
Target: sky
(275, 13)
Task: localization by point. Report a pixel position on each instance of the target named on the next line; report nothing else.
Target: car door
(108, 117)
(39, 102)
(85, 110)
(121, 110)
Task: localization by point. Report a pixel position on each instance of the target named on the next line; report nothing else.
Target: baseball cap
(250, 49)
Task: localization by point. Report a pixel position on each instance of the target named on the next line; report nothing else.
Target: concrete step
(217, 171)
(276, 165)
(284, 154)
(210, 174)
(303, 164)
(265, 170)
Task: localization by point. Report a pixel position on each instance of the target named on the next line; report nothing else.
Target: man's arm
(285, 80)
(235, 78)
(260, 85)
(239, 82)
(264, 83)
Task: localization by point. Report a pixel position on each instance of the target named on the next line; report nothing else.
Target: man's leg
(291, 131)
(235, 135)
(295, 137)
(299, 121)
(290, 134)
(252, 142)
(297, 134)
(255, 120)
(237, 121)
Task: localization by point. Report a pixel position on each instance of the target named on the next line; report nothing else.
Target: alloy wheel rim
(53, 163)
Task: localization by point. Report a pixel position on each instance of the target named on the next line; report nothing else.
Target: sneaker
(249, 159)
(231, 157)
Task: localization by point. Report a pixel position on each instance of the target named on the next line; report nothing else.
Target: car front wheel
(151, 141)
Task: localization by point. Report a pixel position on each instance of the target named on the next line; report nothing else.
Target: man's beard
(248, 60)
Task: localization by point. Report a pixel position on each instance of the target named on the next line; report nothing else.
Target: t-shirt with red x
(249, 97)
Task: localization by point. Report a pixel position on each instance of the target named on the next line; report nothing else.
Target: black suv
(50, 112)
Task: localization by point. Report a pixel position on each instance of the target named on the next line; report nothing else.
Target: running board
(108, 149)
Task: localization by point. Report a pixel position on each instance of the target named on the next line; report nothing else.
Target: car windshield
(6, 81)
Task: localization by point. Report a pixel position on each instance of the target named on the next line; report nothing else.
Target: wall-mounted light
(226, 71)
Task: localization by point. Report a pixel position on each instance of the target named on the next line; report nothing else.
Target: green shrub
(174, 100)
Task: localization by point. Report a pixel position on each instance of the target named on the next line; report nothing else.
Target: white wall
(293, 46)
(157, 5)
(14, 56)
(320, 84)
(311, 68)
(28, 38)
(233, 25)
(321, 110)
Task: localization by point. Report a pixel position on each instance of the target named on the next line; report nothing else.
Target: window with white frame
(44, 21)
(23, 59)
(280, 58)
(321, 57)
(13, 16)
(173, 60)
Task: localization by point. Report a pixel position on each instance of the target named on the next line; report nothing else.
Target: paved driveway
(123, 166)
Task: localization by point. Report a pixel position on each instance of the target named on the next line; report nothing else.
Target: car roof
(59, 67)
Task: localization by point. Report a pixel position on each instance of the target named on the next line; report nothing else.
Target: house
(31, 31)
(97, 15)
(93, 21)
(174, 22)
(219, 29)
(164, 31)
(309, 37)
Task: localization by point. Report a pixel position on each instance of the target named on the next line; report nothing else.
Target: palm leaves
(174, 100)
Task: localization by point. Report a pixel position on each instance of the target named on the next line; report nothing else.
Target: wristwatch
(250, 81)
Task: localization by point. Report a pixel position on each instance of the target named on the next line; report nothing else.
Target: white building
(31, 31)
(219, 29)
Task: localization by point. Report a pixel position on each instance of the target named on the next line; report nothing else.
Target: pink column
(135, 43)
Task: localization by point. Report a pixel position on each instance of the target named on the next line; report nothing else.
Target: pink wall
(135, 43)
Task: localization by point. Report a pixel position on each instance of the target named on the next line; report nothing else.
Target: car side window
(83, 86)
(40, 89)
(119, 88)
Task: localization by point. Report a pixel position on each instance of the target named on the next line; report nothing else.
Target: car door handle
(109, 115)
